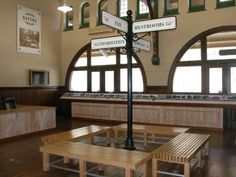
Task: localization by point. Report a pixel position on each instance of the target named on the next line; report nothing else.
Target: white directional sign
(154, 25)
(142, 44)
(114, 22)
(105, 43)
(118, 41)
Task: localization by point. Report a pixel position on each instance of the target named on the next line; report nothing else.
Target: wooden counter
(26, 119)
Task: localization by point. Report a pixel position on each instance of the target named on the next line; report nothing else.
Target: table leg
(145, 139)
(45, 161)
(90, 140)
(108, 136)
(116, 136)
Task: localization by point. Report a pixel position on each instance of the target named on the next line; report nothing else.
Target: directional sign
(142, 44)
(114, 22)
(105, 43)
(154, 25)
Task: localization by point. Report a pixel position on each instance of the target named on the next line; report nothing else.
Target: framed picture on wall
(38, 77)
(28, 30)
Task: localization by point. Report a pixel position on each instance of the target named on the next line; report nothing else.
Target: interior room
(118, 88)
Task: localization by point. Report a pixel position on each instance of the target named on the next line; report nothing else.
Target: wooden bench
(128, 160)
(149, 129)
(181, 150)
(79, 134)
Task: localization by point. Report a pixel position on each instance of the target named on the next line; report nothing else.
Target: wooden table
(79, 134)
(149, 129)
(128, 160)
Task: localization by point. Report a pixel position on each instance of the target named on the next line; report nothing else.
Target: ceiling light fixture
(65, 8)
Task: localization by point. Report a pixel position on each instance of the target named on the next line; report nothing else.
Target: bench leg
(207, 146)
(145, 139)
(128, 172)
(199, 159)
(90, 140)
(108, 136)
(154, 167)
(146, 169)
(187, 170)
(45, 161)
(116, 136)
(66, 160)
(82, 168)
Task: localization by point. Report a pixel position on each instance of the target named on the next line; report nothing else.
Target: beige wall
(14, 66)
(188, 26)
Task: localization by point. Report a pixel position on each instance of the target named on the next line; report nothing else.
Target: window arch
(206, 64)
(122, 8)
(84, 15)
(102, 71)
(102, 5)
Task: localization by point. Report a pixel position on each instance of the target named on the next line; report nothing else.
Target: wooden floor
(21, 157)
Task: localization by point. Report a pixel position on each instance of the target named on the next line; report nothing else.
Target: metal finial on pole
(129, 144)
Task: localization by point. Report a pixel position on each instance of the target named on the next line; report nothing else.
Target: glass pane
(233, 79)
(221, 46)
(109, 81)
(187, 79)
(82, 61)
(171, 4)
(123, 59)
(143, 8)
(215, 80)
(103, 60)
(193, 53)
(123, 8)
(78, 81)
(95, 81)
(137, 80)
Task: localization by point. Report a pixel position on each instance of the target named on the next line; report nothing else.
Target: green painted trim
(138, 15)
(155, 60)
(196, 8)
(225, 4)
(99, 20)
(84, 24)
(171, 11)
(67, 27)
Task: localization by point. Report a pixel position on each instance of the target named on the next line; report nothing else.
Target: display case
(38, 77)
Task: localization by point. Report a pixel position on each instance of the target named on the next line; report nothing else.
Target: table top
(164, 130)
(99, 154)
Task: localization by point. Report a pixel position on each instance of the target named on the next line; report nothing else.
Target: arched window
(84, 16)
(102, 71)
(206, 64)
(171, 7)
(102, 5)
(142, 9)
(69, 21)
(122, 8)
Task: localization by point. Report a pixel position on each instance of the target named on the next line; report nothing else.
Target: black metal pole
(129, 144)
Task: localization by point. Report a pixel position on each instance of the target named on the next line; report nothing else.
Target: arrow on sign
(114, 22)
(154, 25)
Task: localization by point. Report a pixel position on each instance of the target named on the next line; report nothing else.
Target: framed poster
(28, 30)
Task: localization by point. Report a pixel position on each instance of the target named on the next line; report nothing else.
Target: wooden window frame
(138, 15)
(225, 64)
(170, 12)
(116, 68)
(224, 4)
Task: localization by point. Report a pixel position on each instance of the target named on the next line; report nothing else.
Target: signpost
(129, 27)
